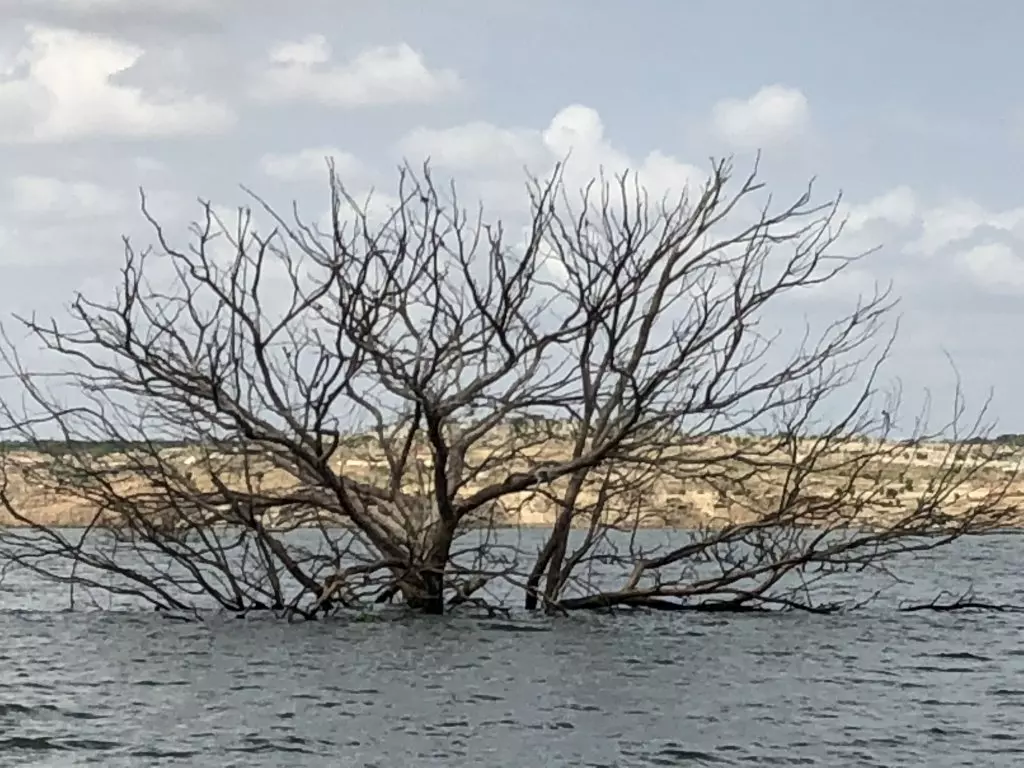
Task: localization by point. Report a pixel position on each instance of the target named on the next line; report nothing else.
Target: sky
(913, 111)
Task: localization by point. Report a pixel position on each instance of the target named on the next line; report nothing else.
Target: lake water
(875, 688)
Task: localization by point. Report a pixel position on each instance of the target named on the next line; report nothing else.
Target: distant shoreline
(886, 488)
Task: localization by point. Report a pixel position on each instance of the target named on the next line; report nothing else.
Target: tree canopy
(403, 389)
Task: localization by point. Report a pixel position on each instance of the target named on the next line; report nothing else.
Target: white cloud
(878, 221)
(898, 206)
(311, 165)
(929, 230)
(377, 206)
(574, 128)
(774, 115)
(153, 13)
(41, 195)
(576, 134)
(53, 221)
(306, 52)
(492, 160)
(93, 6)
(59, 87)
(958, 221)
(996, 267)
(663, 174)
(476, 146)
(394, 74)
(145, 164)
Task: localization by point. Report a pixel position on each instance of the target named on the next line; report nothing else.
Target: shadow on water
(872, 689)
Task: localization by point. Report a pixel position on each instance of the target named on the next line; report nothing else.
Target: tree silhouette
(397, 386)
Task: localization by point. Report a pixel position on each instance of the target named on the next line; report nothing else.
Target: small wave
(258, 745)
(164, 754)
(13, 709)
(676, 755)
(31, 744)
(475, 696)
(504, 626)
(16, 709)
(44, 744)
(965, 655)
(938, 730)
(931, 669)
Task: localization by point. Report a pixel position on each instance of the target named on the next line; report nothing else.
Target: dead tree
(386, 386)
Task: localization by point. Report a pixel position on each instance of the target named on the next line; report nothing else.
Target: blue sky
(913, 109)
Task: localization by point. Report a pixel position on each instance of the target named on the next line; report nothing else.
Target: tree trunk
(537, 573)
(560, 540)
(555, 547)
(426, 594)
(423, 588)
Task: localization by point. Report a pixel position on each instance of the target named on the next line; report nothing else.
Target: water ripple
(879, 689)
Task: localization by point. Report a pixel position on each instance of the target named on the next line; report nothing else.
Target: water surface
(876, 688)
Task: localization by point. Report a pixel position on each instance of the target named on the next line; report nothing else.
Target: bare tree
(393, 386)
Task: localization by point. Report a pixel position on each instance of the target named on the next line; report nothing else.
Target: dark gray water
(877, 688)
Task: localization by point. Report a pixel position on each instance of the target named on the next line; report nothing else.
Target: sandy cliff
(885, 488)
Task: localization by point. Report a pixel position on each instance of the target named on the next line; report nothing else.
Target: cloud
(898, 206)
(474, 147)
(60, 88)
(576, 127)
(146, 164)
(958, 221)
(995, 267)
(394, 74)
(933, 230)
(101, 6)
(311, 164)
(492, 162)
(151, 13)
(971, 248)
(877, 221)
(42, 195)
(774, 115)
(51, 221)
(575, 134)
